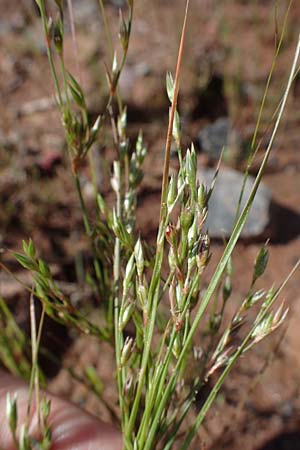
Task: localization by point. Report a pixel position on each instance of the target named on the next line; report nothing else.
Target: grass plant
(133, 283)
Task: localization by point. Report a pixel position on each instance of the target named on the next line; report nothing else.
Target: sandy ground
(231, 40)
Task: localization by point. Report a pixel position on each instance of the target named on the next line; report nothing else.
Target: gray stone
(224, 199)
(218, 136)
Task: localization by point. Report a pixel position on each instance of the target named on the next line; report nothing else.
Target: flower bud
(192, 233)
(176, 128)
(142, 295)
(214, 323)
(101, 203)
(79, 99)
(129, 271)
(140, 148)
(123, 33)
(191, 166)
(203, 252)
(114, 67)
(171, 235)
(171, 192)
(176, 349)
(198, 353)
(170, 86)
(115, 180)
(58, 36)
(201, 196)
(127, 350)
(186, 219)
(129, 389)
(122, 124)
(45, 407)
(180, 297)
(24, 443)
(29, 249)
(227, 288)
(125, 315)
(260, 263)
(192, 261)
(180, 181)
(172, 260)
(139, 257)
(128, 201)
(11, 412)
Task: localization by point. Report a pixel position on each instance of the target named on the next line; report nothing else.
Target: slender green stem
(213, 394)
(42, 8)
(224, 259)
(93, 173)
(65, 83)
(33, 358)
(242, 348)
(153, 302)
(164, 191)
(116, 273)
(155, 391)
(155, 281)
(107, 29)
(86, 222)
(111, 47)
(184, 246)
(34, 377)
(254, 150)
(37, 380)
(261, 109)
(158, 383)
(174, 432)
(73, 33)
(88, 230)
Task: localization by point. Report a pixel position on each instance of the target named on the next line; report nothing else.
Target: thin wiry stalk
(35, 357)
(42, 9)
(65, 83)
(74, 39)
(164, 190)
(110, 47)
(274, 61)
(124, 56)
(88, 230)
(107, 29)
(175, 430)
(158, 384)
(34, 377)
(155, 281)
(66, 108)
(253, 149)
(118, 336)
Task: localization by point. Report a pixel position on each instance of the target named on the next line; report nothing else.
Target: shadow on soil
(285, 441)
(285, 224)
